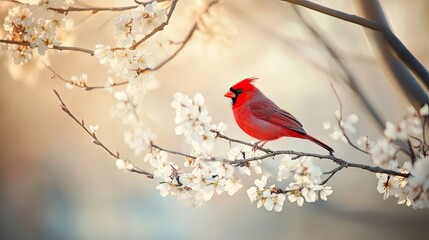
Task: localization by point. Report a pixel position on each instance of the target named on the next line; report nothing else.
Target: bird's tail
(320, 143)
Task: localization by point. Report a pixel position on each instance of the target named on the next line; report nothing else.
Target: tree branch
(101, 9)
(96, 141)
(270, 154)
(92, 9)
(157, 29)
(403, 53)
(351, 79)
(61, 48)
(399, 75)
(343, 163)
(332, 173)
(340, 120)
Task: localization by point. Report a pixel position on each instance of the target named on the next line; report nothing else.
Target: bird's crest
(245, 84)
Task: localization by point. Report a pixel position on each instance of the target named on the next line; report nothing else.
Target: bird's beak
(229, 94)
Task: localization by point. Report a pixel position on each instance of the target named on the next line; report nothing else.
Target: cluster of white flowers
(124, 165)
(127, 60)
(194, 123)
(270, 198)
(128, 64)
(33, 23)
(77, 81)
(133, 64)
(306, 185)
(200, 177)
(411, 191)
(194, 187)
(141, 21)
(241, 152)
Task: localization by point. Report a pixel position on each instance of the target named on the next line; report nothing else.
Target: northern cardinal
(261, 118)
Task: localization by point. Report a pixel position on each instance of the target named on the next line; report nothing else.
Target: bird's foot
(256, 145)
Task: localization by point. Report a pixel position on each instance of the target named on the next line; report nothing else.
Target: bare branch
(350, 78)
(332, 173)
(220, 135)
(92, 9)
(96, 141)
(404, 54)
(400, 73)
(182, 45)
(341, 125)
(172, 152)
(413, 155)
(85, 87)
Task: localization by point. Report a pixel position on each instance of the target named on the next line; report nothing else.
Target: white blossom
(324, 192)
(139, 139)
(296, 196)
(382, 152)
(35, 24)
(93, 128)
(387, 185)
(424, 111)
(104, 53)
(394, 132)
(135, 25)
(267, 197)
(241, 152)
(194, 123)
(419, 183)
(306, 185)
(124, 165)
(346, 123)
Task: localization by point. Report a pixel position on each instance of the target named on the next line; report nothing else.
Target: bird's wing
(269, 111)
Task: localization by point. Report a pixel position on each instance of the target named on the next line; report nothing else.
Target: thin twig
(220, 135)
(413, 155)
(340, 120)
(92, 9)
(61, 48)
(424, 129)
(85, 87)
(182, 45)
(332, 172)
(157, 29)
(96, 141)
(171, 151)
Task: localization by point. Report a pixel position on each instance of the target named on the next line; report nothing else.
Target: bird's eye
(239, 91)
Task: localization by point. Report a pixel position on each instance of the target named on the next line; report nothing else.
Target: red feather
(261, 118)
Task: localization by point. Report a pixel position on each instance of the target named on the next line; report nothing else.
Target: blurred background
(56, 184)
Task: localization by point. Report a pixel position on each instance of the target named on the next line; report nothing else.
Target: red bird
(261, 118)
